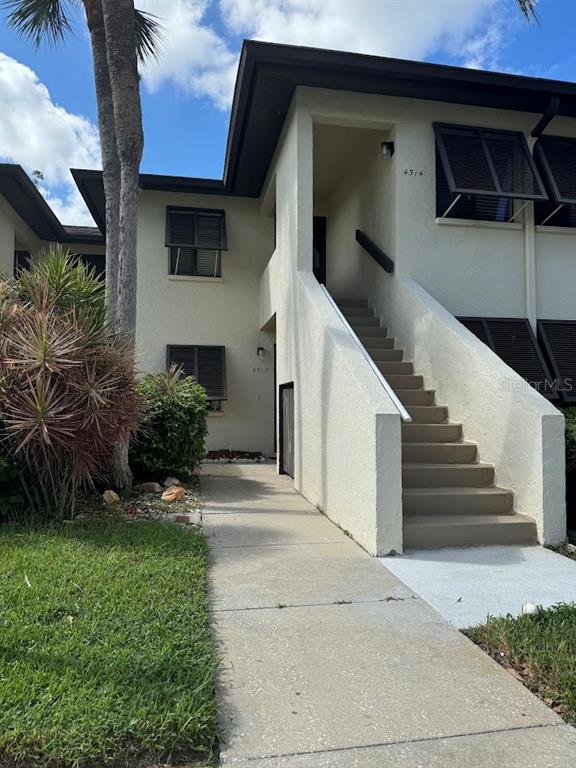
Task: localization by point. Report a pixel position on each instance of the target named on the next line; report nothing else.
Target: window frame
(441, 128)
(195, 246)
(196, 347)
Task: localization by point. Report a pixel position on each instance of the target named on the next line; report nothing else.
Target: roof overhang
(24, 198)
(268, 75)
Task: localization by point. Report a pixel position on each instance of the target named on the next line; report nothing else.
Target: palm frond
(528, 8)
(40, 20)
(149, 35)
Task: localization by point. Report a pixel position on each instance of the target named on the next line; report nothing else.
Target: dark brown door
(287, 429)
(319, 248)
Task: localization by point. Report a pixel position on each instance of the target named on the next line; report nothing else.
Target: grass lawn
(106, 651)
(542, 651)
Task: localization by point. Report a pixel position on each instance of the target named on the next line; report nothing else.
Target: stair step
(393, 367)
(457, 501)
(357, 311)
(373, 343)
(431, 433)
(403, 381)
(386, 355)
(447, 475)
(366, 322)
(370, 331)
(428, 414)
(439, 453)
(351, 303)
(409, 397)
(433, 531)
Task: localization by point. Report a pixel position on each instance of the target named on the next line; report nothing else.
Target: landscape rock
(110, 498)
(150, 488)
(174, 493)
(171, 481)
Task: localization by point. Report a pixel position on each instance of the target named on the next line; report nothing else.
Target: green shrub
(174, 427)
(570, 414)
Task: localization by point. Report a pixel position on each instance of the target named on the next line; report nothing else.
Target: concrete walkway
(329, 661)
(468, 585)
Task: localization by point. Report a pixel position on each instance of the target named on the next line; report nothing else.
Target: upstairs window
(556, 158)
(208, 366)
(480, 171)
(195, 238)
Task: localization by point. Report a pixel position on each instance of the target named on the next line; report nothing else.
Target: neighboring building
(414, 194)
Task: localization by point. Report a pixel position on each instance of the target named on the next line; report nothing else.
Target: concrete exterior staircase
(449, 497)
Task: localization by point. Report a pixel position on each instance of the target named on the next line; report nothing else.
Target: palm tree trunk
(109, 149)
(125, 86)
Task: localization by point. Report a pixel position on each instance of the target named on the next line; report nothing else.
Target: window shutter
(481, 161)
(558, 339)
(474, 207)
(211, 230)
(477, 326)
(514, 342)
(196, 228)
(212, 372)
(184, 357)
(206, 363)
(556, 157)
(207, 263)
(180, 228)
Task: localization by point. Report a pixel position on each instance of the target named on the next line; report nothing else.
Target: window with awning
(480, 171)
(205, 362)
(556, 159)
(196, 238)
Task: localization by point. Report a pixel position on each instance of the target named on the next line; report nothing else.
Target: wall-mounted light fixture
(387, 148)
(260, 351)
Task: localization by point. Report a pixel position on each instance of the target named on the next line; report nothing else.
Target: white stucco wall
(204, 311)
(556, 273)
(347, 430)
(14, 234)
(470, 268)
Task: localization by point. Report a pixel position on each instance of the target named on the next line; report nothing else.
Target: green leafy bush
(174, 426)
(570, 415)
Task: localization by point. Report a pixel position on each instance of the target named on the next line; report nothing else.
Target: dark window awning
(513, 340)
(196, 228)
(488, 162)
(556, 156)
(558, 340)
(206, 363)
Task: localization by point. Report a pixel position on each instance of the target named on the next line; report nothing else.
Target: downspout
(529, 226)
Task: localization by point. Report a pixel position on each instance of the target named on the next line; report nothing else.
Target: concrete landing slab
(333, 677)
(468, 585)
(546, 747)
(266, 577)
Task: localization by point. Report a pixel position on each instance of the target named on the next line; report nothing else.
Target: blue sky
(48, 115)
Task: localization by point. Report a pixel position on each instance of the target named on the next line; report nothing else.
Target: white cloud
(40, 135)
(193, 55)
(198, 57)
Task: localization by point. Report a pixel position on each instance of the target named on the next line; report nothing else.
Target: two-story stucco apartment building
(390, 255)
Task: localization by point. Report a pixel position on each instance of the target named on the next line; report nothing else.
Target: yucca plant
(67, 386)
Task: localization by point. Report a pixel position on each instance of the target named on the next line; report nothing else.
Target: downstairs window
(208, 366)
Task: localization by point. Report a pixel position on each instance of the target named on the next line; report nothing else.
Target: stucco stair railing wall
(515, 427)
(347, 428)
